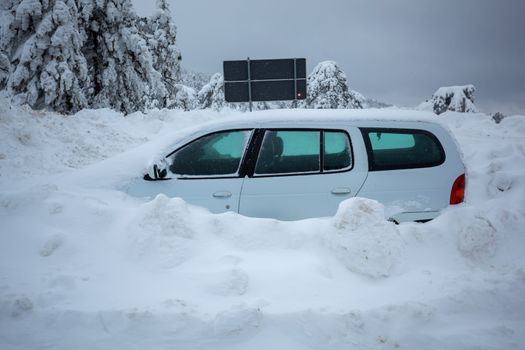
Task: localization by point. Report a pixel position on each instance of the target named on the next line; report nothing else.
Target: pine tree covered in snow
(44, 47)
(5, 68)
(212, 94)
(185, 98)
(70, 54)
(367, 102)
(451, 98)
(359, 98)
(327, 88)
(122, 64)
(161, 35)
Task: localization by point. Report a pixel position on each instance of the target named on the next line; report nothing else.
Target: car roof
(305, 117)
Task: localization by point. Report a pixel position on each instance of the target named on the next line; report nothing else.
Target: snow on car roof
(301, 116)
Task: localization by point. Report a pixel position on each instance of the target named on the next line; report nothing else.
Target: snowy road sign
(265, 80)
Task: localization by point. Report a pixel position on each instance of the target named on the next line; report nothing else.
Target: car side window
(337, 151)
(304, 152)
(217, 154)
(289, 152)
(390, 149)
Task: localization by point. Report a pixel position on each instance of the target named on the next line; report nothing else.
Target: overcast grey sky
(397, 51)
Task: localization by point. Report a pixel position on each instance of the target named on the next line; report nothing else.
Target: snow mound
(478, 240)
(365, 242)
(161, 231)
(237, 320)
(356, 213)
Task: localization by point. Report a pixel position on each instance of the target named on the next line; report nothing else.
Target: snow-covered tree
(70, 54)
(48, 67)
(359, 98)
(5, 68)
(498, 117)
(212, 94)
(122, 64)
(185, 98)
(7, 35)
(451, 98)
(327, 88)
(367, 102)
(161, 35)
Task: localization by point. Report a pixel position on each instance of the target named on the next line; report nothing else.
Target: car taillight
(457, 195)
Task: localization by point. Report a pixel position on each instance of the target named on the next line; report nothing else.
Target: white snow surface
(85, 266)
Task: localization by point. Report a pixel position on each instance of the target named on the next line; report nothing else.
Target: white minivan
(291, 165)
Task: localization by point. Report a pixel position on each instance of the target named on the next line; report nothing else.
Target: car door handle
(341, 190)
(222, 194)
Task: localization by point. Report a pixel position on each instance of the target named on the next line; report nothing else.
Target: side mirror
(157, 171)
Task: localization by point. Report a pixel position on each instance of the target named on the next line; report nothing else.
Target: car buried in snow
(297, 164)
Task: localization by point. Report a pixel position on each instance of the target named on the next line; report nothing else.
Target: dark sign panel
(236, 92)
(265, 80)
(235, 70)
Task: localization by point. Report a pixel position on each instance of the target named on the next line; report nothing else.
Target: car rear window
(390, 149)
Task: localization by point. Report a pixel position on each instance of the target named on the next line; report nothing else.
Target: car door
(301, 173)
(204, 172)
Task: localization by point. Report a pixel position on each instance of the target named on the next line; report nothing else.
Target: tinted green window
(230, 144)
(382, 140)
(215, 154)
(392, 149)
(298, 143)
(337, 153)
(284, 152)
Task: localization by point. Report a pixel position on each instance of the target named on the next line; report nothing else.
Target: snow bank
(365, 242)
(83, 265)
(41, 143)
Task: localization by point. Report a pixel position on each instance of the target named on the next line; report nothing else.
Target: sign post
(264, 80)
(249, 83)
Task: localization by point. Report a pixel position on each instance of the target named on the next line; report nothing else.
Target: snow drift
(85, 266)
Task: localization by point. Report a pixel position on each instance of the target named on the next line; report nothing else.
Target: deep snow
(85, 266)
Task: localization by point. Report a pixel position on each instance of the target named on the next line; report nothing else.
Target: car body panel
(299, 196)
(217, 194)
